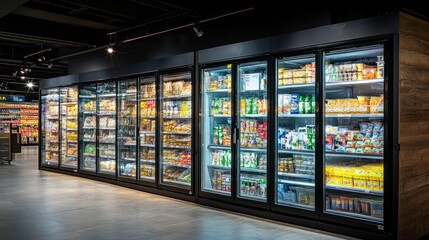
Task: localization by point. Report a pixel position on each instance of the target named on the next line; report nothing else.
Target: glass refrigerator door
(354, 133)
(147, 128)
(50, 126)
(69, 120)
(87, 127)
(216, 130)
(106, 103)
(127, 128)
(252, 123)
(176, 129)
(296, 108)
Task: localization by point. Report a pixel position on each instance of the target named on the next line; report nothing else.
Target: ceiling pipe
(39, 52)
(36, 39)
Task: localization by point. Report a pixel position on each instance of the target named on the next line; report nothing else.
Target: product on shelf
(107, 136)
(177, 126)
(221, 158)
(356, 70)
(253, 160)
(89, 162)
(219, 82)
(89, 148)
(301, 139)
(109, 165)
(296, 104)
(221, 180)
(147, 154)
(107, 122)
(107, 105)
(128, 154)
(253, 106)
(306, 74)
(89, 135)
(300, 164)
(221, 106)
(357, 174)
(222, 134)
(89, 106)
(148, 108)
(148, 90)
(107, 150)
(147, 139)
(147, 125)
(368, 140)
(295, 194)
(253, 185)
(147, 171)
(177, 157)
(128, 169)
(363, 104)
(176, 140)
(89, 121)
(177, 108)
(177, 174)
(174, 88)
(253, 133)
(355, 204)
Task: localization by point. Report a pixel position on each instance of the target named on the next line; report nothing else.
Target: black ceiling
(58, 28)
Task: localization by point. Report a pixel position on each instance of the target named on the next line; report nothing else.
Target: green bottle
(301, 105)
(307, 105)
(313, 104)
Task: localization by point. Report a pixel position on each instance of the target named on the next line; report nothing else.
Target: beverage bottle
(242, 106)
(301, 105)
(307, 105)
(220, 109)
(313, 104)
(220, 135)
(264, 105)
(255, 106)
(260, 109)
(248, 105)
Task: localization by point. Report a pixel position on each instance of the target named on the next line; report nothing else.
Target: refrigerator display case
(354, 133)
(106, 124)
(216, 120)
(50, 127)
(176, 129)
(127, 128)
(69, 127)
(296, 132)
(87, 127)
(252, 126)
(148, 128)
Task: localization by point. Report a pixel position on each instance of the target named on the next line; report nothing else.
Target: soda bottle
(301, 105)
(248, 105)
(220, 135)
(260, 109)
(307, 105)
(255, 106)
(313, 104)
(242, 106)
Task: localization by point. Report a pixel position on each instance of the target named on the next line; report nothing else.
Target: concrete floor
(42, 205)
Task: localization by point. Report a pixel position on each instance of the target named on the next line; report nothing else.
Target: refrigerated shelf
(354, 190)
(355, 82)
(176, 182)
(177, 147)
(219, 167)
(354, 155)
(88, 169)
(308, 152)
(296, 175)
(217, 191)
(223, 147)
(147, 132)
(147, 145)
(88, 127)
(147, 161)
(292, 115)
(296, 183)
(89, 112)
(89, 154)
(128, 159)
(355, 215)
(220, 115)
(253, 149)
(147, 178)
(89, 97)
(107, 142)
(177, 96)
(253, 115)
(107, 95)
(147, 99)
(71, 129)
(106, 114)
(176, 165)
(252, 197)
(130, 144)
(107, 157)
(107, 128)
(68, 103)
(107, 171)
(178, 133)
(147, 117)
(89, 140)
(219, 91)
(177, 117)
(308, 207)
(252, 170)
(357, 115)
(304, 85)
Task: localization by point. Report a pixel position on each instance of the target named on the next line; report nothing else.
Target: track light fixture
(49, 64)
(110, 50)
(22, 77)
(41, 58)
(30, 85)
(197, 30)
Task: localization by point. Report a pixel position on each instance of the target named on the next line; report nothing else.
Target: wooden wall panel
(413, 212)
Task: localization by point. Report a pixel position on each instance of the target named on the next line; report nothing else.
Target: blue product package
(294, 105)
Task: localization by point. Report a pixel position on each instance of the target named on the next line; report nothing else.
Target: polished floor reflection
(43, 205)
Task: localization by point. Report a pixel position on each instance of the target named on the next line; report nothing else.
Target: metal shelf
(177, 96)
(89, 112)
(178, 133)
(308, 152)
(72, 141)
(354, 82)
(146, 145)
(177, 117)
(147, 161)
(296, 183)
(242, 169)
(219, 147)
(89, 169)
(176, 182)
(147, 132)
(293, 115)
(217, 191)
(71, 156)
(253, 149)
(132, 144)
(296, 175)
(220, 116)
(355, 215)
(219, 167)
(89, 154)
(253, 197)
(107, 142)
(73, 118)
(71, 129)
(303, 85)
(353, 155)
(228, 90)
(89, 97)
(147, 99)
(253, 115)
(107, 95)
(177, 147)
(87, 140)
(88, 127)
(176, 165)
(68, 103)
(128, 159)
(107, 128)
(354, 190)
(296, 205)
(106, 171)
(107, 157)
(106, 114)
(147, 117)
(357, 115)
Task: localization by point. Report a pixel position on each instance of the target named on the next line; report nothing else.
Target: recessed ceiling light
(110, 50)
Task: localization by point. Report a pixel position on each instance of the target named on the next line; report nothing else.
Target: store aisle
(43, 205)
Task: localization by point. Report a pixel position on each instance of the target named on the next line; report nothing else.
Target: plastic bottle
(313, 104)
(301, 105)
(307, 105)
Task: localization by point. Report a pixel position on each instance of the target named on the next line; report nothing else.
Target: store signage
(12, 98)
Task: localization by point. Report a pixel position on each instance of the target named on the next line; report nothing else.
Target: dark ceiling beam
(44, 68)
(18, 91)
(15, 83)
(8, 6)
(18, 77)
(112, 7)
(23, 38)
(168, 7)
(60, 18)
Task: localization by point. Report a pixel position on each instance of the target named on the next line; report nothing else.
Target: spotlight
(22, 77)
(41, 59)
(198, 31)
(30, 85)
(22, 71)
(110, 50)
